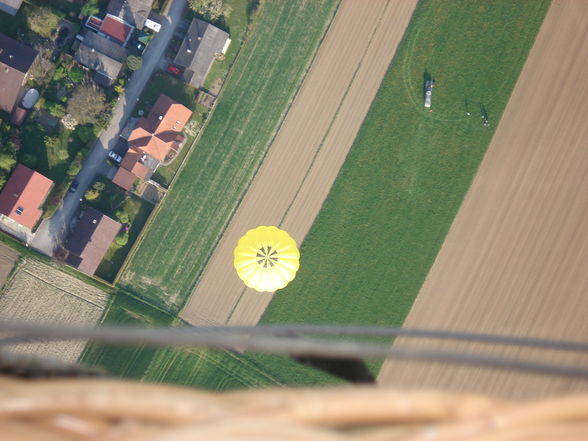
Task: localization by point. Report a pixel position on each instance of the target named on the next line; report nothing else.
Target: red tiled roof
(124, 179)
(156, 133)
(23, 195)
(115, 28)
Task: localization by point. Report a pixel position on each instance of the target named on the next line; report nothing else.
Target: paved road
(515, 259)
(53, 230)
(298, 172)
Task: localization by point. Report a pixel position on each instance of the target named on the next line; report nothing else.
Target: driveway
(52, 231)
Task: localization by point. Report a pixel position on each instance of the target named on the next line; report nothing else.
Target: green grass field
(207, 369)
(378, 233)
(203, 197)
(125, 361)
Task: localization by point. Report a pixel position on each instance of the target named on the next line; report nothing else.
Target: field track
(515, 259)
(307, 154)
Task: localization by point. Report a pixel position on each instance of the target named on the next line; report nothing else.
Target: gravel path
(307, 154)
(515, 259)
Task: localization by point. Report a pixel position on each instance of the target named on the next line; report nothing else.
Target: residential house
(103, 56)
(90, 239)
(23, 195)
(10, 6)
(15, 61)
(111, 27)
(133, 12)
(152, 140)
(202, 43)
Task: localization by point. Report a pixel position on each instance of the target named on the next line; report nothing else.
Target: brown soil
(308, 152)
(8, 258)
(515, 260)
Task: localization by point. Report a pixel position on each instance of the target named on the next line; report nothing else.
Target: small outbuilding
(10, 6)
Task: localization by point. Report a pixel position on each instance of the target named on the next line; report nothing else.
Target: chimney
(93, 221)
(160, 117)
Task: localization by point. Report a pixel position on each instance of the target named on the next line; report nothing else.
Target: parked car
(74, 186)
(174, 70)
(116, 158)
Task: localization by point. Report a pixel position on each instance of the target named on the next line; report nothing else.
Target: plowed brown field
(307, 154)
(8, 258)
(515, 261)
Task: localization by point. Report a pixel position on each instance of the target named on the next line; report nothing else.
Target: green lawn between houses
(393, 202)
(265, 78)
(378, 233)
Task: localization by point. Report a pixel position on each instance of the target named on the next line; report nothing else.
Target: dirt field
(515, 259)
(41, 293)
(8, 258)
(307, 154)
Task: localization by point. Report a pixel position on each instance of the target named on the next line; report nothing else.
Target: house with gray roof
(202, 43)
(134, 12)
(90, 239)
(103, 56)
(10, 6)
(16, 59)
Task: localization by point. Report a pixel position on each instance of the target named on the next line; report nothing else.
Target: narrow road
(53, 230)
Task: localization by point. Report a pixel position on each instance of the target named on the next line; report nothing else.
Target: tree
(134, 62)
(3, 180)
(7, 161)
(86, 103)
(29, 160)
(42, 21)
(90, 8)
(43, 67)
(210, 9)
(94, 192)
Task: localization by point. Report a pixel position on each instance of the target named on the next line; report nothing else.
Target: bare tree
(42, 20)
(86, 103)
(43, 68)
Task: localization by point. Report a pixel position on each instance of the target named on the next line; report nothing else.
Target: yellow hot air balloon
(266, 259)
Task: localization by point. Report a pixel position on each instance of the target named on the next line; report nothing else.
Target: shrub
(59, 74)
(7, 161)
(134, 62)
(122, 216)
(77, 74)
(122, 239)
(55, 109)
(69, 122)
(95, 191)
(76, 165)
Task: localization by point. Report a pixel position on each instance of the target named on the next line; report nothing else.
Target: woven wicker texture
(115, 410)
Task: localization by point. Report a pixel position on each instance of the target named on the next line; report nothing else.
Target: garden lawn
(205, 194)
(113, 199)
(379, 231)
